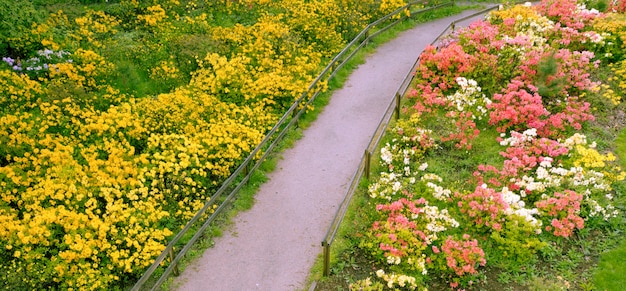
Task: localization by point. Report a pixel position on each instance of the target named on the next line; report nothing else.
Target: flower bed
(119, 120)
(519, 91)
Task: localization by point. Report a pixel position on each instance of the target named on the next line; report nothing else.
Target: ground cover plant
(506, 171)
(118, 119)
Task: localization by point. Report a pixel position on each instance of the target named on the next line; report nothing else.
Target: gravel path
(274, 245)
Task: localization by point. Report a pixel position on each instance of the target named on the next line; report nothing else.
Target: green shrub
(17, 19)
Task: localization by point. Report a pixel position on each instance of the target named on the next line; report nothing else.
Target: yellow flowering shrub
(167, 74)
(520, 12)
(121, 121)
(154, 16)
(388, 6)
(166, 70)
(92, 65)
(612, 28)
(613, 91)
(18, 136)
(85, 197)
(318, 23)
(17, 91)
(53, 33)
(195, 140)
(94, 27)
(608, 93)
(266, 65)
(95, 177)
(67, 71)
(96, 206)
(91, 217)
(586, 157)
(86, 71)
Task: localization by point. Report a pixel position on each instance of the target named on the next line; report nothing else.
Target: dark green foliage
(16, 19)
(600, 5)
(548, 85)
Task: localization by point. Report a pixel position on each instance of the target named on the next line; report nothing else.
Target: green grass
(459, 165)
(611, 270)
(620, 149)
(611, 273)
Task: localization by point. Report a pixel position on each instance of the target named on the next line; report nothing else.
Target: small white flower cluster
(547, 176)
(596, 209)
(394, 260)
(386, 155)
(575, 176)
(391, 182)
(420, 264)
(582, 8)
(576, 139)
(438, 221)
(440, 193)
(593, 37)
(516, 139)
(399, 280)
(534, 30)
(387, 186)
(420, 133)
(391, 153)
(470, 97)
(431, 177)
(518, 207)
(590, 178)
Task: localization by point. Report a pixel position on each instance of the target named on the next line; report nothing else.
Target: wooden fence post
(368, 160)
(175, 270)
(326, 247)
(398, 101)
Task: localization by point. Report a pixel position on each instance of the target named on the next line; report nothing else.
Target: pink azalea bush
(451, 61)
(463, 256)
(566, 12)
(564, 209)
(484, 206)
(617, 6)
(449, 93)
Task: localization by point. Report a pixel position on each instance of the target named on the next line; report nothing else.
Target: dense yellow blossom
(266, 65)
(522, 13)
(44, 32)
(166, 70)
(94, 178)
(587, 157)
(613, 24)
(94, 26)
(17, 91)
(617, 84)
(156, 14)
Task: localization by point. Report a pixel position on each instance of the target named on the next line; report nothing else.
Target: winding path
(274, 245)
